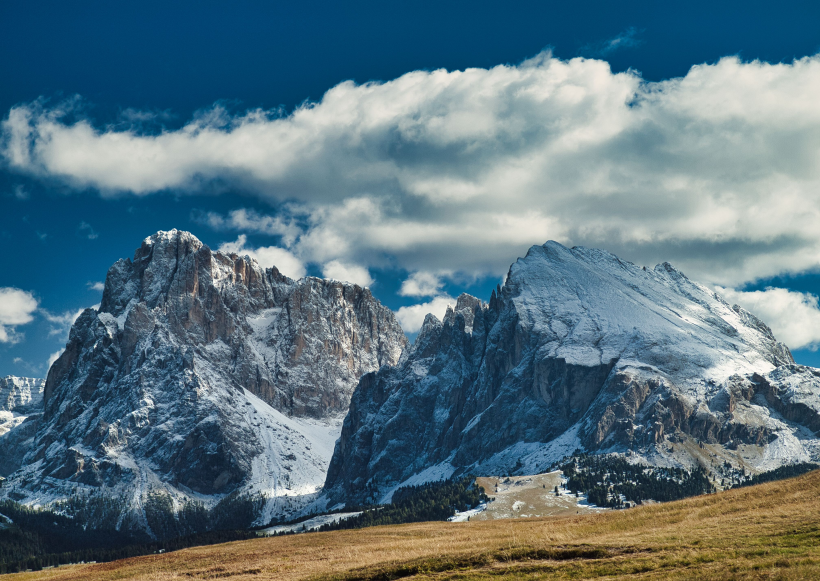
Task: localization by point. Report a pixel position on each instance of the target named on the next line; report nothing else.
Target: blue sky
(419, 147)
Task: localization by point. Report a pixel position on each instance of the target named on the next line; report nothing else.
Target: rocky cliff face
(578, 350)
(202, 374)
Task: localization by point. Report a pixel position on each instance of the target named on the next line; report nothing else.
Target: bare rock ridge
(578, 350)
(203, 374)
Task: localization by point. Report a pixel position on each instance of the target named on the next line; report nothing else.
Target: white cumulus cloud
(17, 307)
(267, 256)
(421, 284)
(411, 318)
(793, 317)
(347, 273)
(717, 172)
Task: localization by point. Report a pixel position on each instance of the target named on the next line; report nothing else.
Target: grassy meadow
(769, 531)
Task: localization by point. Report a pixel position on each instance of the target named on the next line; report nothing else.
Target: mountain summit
(578, 350)
(202, 374)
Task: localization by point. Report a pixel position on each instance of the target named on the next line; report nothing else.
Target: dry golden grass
(770, 531)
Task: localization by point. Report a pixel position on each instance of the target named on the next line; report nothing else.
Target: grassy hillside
(769, 531)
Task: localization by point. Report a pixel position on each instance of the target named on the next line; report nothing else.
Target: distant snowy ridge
(20, 393)
(201, 374)
(19, 398)
(578, 350)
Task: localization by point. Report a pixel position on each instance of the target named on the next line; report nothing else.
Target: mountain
(19, 395)
(21, 398)
(201, 375)
(578, 350)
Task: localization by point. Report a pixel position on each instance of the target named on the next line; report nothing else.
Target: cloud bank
(717, 172)
(421, 284)
(17, 307)
(794, 317)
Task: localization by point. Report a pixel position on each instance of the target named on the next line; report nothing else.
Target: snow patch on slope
(294, 458)
(435, 473)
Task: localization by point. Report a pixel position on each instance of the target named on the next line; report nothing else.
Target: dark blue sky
(181, 56)
(174, 58)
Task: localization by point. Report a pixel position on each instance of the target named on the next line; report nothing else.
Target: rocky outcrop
(577, 350)
(203, 374)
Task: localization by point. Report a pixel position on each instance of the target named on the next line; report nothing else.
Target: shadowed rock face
(158, 386)
(578, 350)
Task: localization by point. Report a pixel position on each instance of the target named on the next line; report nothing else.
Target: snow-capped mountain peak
(202, 374)
(577, 350)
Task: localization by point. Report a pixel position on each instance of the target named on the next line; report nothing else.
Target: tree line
(789, 471)
(87, 528)
(433, 501)
(611, 481)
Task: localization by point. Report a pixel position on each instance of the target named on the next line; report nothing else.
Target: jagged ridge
(578, 350)
(201, 374)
